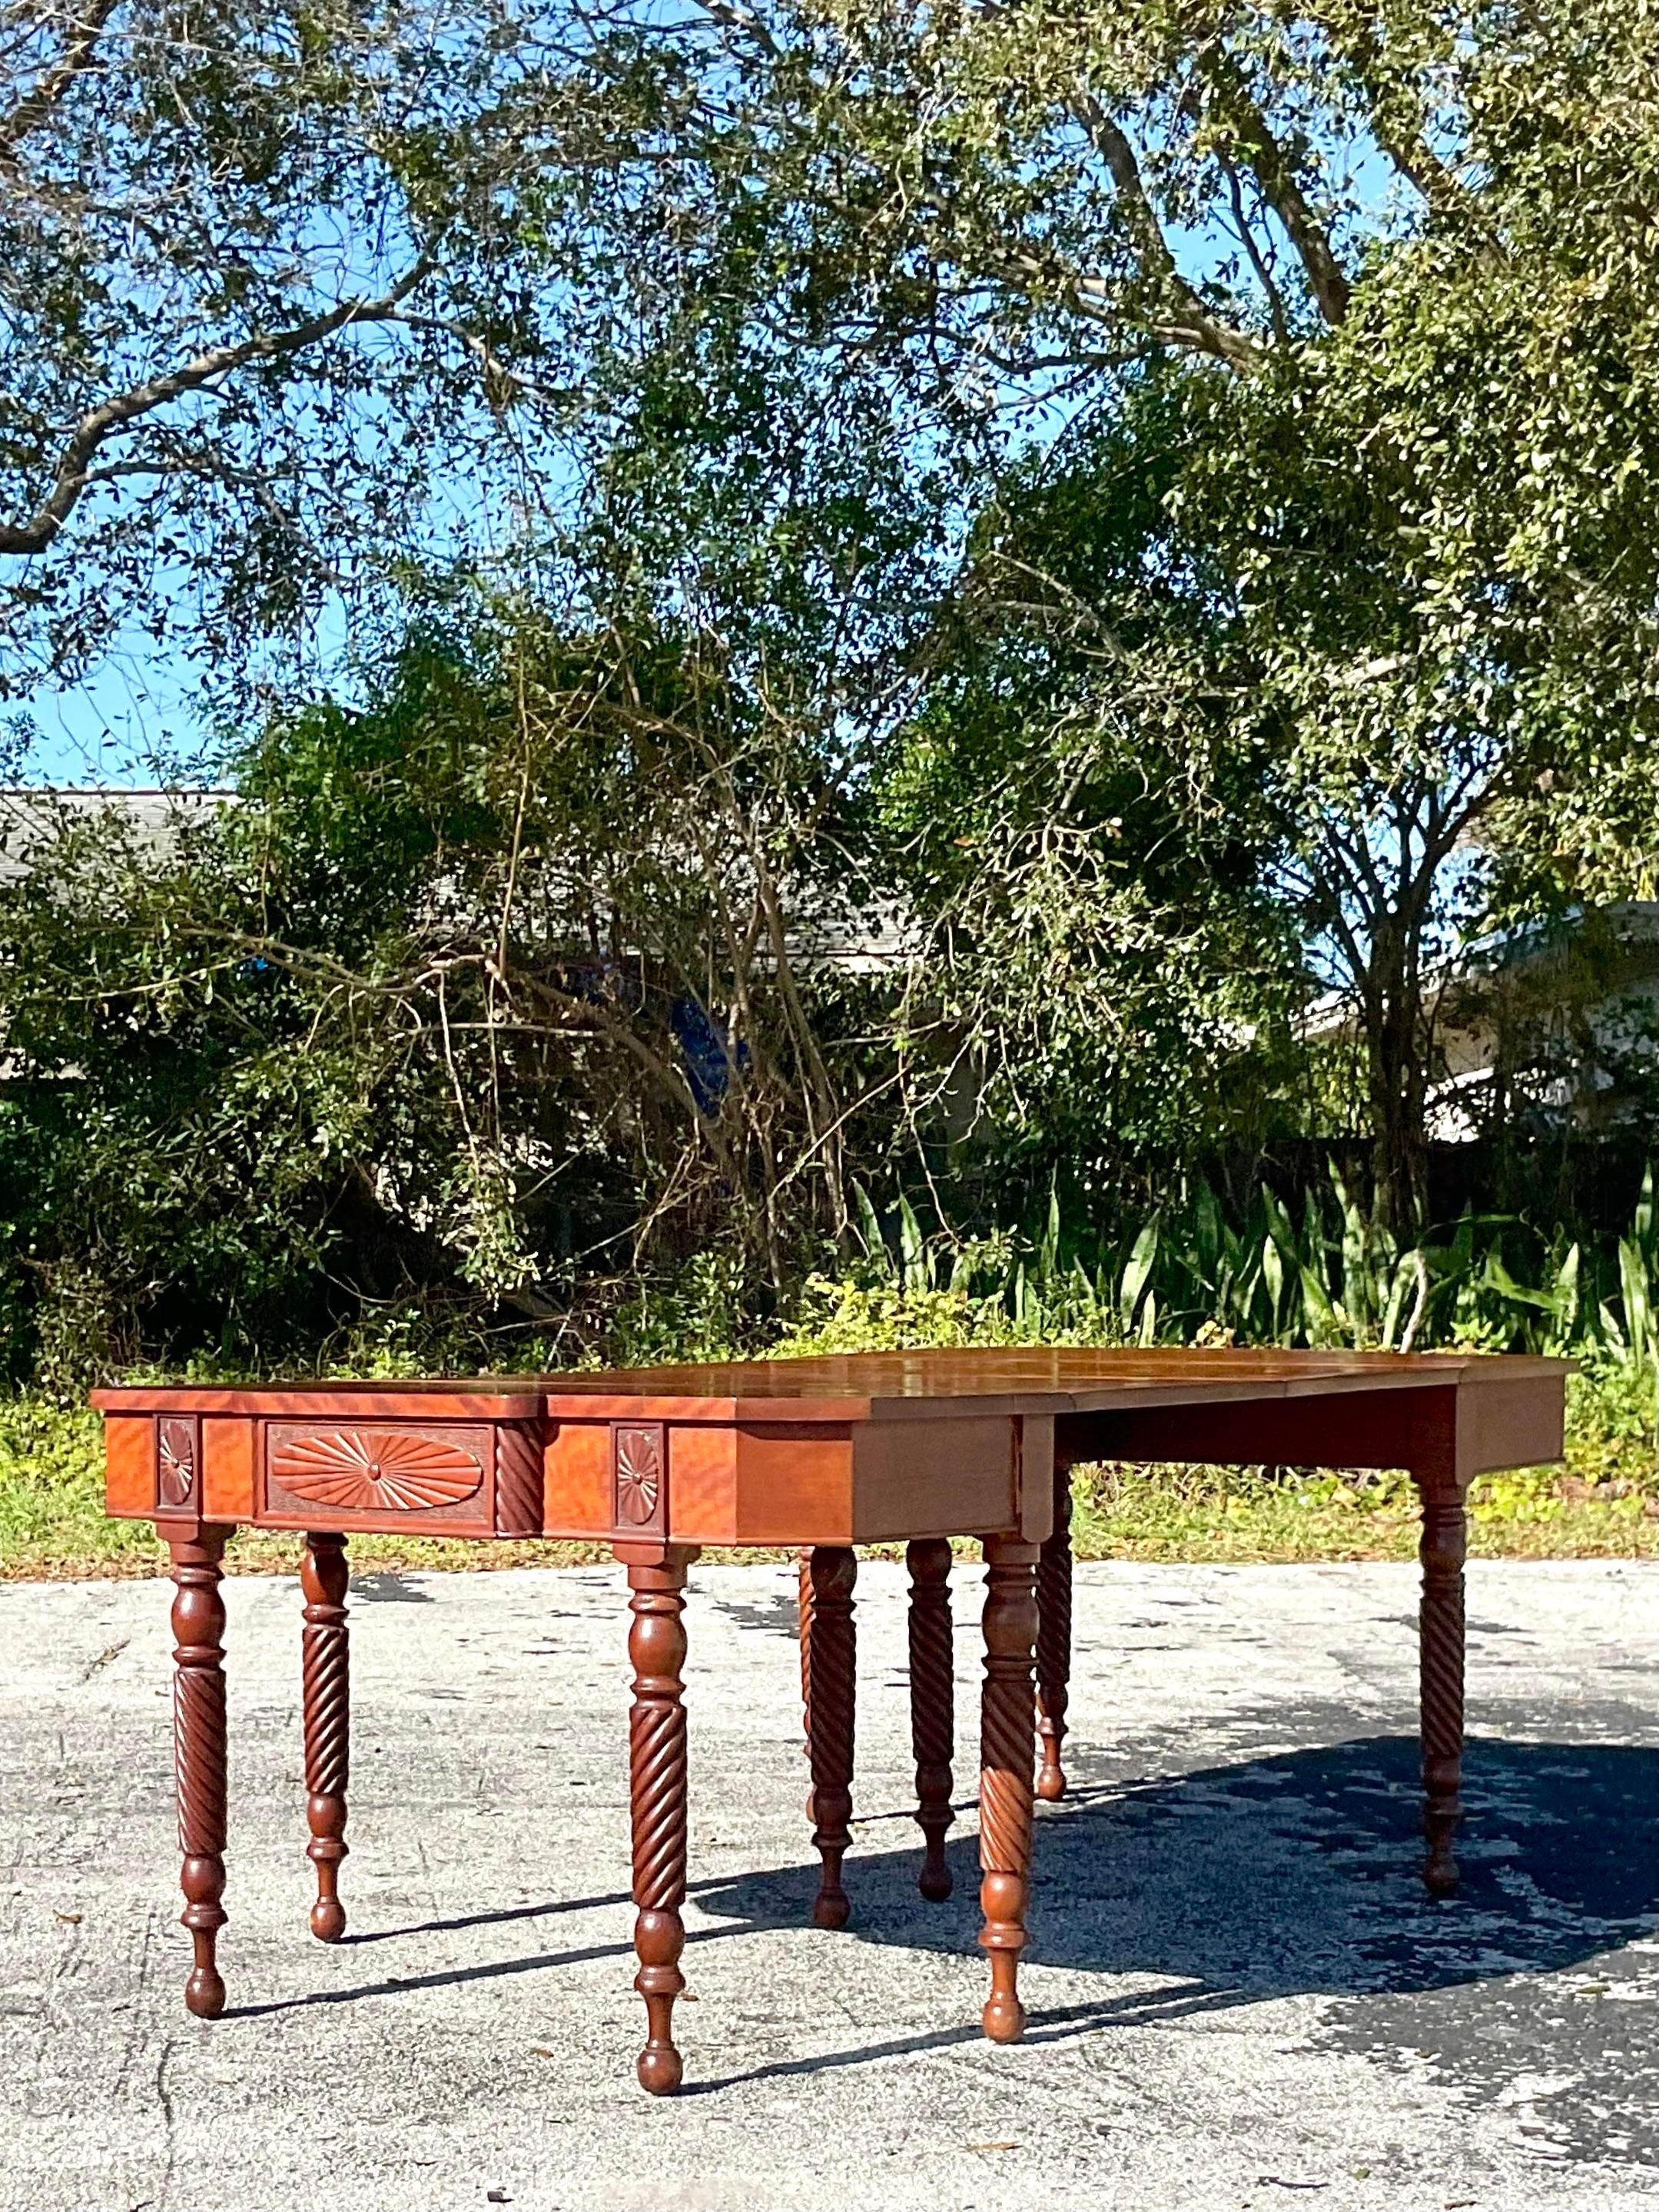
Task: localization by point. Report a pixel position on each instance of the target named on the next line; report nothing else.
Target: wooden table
(818, 1455)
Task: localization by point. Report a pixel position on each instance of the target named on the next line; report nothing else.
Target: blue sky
(137, 719)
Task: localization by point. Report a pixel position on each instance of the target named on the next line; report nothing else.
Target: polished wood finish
(1006, 1752)
(1034, 1457)
(823, 1454)
(130, 1466)
(519, 1486)
(657, 1795)
(326, 1670)
(1483, 1420)
(933, 1703)
(639, 1477)
(577, 1477)
(1053, 1647)
(803, 1635)
(378, 1475)
(179, 1463)
(843, 1449)
(839, 1387)
(930, 1480)
(228, 1486)
(830, 1675)
(1440, 1669)
(199, 1754)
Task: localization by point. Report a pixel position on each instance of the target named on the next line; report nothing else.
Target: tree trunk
(1397, 1055)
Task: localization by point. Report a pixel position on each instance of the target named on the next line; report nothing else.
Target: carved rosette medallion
(374, 1470)
(641, 1501)
(176, 1459)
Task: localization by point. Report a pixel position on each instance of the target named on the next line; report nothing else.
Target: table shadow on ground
(1288, 1874)
(1295, 1872)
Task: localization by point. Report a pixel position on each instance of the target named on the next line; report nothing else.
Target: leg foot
(657, 1780)
(1053, 1650)
(932, 1706)
(659, 1940)
(1441, 1624)
(199, 1755)
(326, 1666)
(829, 1668)
(1007, 1746)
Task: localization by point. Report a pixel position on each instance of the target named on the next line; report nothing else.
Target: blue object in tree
(707, 1051)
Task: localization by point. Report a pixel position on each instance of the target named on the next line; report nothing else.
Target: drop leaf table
(817, 1455)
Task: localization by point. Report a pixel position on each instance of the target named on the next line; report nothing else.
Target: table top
(838, 1449)
(839, 1387)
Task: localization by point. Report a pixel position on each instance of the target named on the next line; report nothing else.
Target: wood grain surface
(822, 1454)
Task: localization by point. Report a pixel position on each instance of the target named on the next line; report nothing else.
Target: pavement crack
(97, 1666)
(135, 2025)
(165, 2102)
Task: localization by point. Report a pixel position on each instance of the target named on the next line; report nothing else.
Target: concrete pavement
(1239, 1994)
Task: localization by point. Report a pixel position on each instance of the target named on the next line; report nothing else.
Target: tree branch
(75, 467)
(1189, 321)
(1272, 169)
(1398, 135)
(77, 57)
(733, 16)
(1264, 275)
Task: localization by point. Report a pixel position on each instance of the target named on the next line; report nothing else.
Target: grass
(1603, 1504)
(1190, 1275)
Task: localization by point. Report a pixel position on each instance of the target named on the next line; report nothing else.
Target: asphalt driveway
(1239, 1994)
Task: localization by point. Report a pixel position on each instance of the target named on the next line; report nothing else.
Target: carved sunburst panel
(374, 1470)
(639, 1476)
(176, 1457)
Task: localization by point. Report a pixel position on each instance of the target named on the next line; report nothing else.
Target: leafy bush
(1334, 1278)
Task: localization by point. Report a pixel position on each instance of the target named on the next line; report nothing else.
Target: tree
(1084, 833)
(520, 977)
(471, 1002)
(745, 308)
(269, 275)
(1403, 266)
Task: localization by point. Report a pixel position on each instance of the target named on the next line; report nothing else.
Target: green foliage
(1188, 1274)
(1294, 372)
(256, 279)
(479, 1003)
(704, 1311)
(51, 1493)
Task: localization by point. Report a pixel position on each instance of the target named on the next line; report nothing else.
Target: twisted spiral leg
(657, 1776)
(1053, 1649)
(1007, 1745)
(199, 1754)
(804, 1631)
(829, 1665)
(325, 1666)
(1440, 1629)
(931, 1703)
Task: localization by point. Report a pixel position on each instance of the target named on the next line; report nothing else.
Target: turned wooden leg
(1440, 1628)
(829, 1669)
(804, 1632)
(1008, 1750)
(325, 1663)
(1053, 1649)
(932, 1705)
(657, 1761)
(199, 1754)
